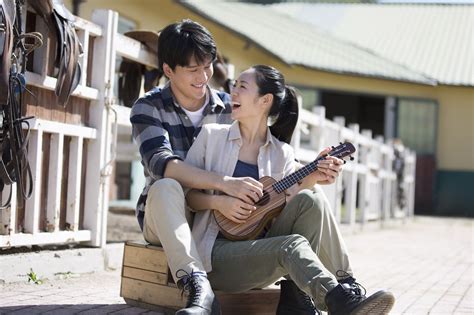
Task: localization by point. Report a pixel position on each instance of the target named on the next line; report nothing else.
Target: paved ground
(427, 263)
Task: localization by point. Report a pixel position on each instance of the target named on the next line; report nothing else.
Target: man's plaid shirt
(164, 132)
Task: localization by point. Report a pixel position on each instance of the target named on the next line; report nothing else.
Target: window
(416, 124)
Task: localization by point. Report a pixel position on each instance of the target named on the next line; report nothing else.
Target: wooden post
(385, 167)
(350, 178)
(364, 179)
(338, 187)
(32, 205)
(84, 38)
(411, 156)
(296, 139)
(318, 134)
(53, 206)
(98, 152)
(74, 184)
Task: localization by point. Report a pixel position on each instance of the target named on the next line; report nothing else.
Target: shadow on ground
(83, 309)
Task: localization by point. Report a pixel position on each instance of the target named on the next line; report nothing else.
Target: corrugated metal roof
(298, 43)
(436, 40)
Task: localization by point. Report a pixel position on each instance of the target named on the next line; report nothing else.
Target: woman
(249, 148)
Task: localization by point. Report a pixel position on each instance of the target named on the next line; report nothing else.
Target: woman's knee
(312, 201)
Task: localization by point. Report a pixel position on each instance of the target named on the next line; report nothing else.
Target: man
(165, 123)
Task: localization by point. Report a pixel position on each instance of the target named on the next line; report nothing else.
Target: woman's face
(246, 101)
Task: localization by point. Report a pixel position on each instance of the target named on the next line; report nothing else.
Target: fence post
(385, 176)
(35, 158)
(364, 201)
(341, 122)
(296, 139)
(98, 150)
(318, 134)
(350, 179)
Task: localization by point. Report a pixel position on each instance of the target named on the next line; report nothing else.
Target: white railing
(367, 189)
(73, 208)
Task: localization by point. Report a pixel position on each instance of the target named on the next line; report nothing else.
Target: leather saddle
(131, 74)
(68, 47)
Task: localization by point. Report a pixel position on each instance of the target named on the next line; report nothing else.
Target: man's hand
(246, 189)
(328, 169)
(234, 209)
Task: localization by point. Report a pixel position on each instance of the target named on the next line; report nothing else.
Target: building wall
(455, 137)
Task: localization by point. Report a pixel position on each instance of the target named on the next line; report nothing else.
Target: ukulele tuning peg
(352, 158)
(333, 147)
(345, 161)
(340, 142)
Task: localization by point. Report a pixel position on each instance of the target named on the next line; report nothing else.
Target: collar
(234, 134)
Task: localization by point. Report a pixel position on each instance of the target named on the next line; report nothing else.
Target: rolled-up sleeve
(152, 138)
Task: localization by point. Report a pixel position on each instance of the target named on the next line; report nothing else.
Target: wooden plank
(54, 183)
(92, 28)
(35, 158)
(145, 258)
(74, 184)
(145, 275)
(66, 129)
(26, 239)
(134, 50)
(142, 291)
(261, 302)
(49, 83)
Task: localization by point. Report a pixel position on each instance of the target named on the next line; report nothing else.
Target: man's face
(189, 83)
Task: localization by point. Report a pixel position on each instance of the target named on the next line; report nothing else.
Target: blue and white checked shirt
(164, 132)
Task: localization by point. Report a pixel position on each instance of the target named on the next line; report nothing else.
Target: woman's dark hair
(180, 41)
(285, 102)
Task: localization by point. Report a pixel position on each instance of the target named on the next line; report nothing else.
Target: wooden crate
(146, 282)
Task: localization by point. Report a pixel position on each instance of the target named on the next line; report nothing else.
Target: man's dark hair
(180, 41)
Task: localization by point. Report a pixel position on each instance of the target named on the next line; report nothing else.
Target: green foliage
(33, 277)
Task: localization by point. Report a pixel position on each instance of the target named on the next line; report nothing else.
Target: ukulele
(274, 199)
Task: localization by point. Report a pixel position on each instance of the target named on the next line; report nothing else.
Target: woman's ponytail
(284, 109)
(285, 123)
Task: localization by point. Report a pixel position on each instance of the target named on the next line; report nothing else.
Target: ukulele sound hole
(264, 200)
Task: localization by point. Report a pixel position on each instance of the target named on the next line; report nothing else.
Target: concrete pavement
(427, 263)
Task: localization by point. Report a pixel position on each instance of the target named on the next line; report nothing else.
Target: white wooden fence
(368, 187)
(366, 190)
(86, 191)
